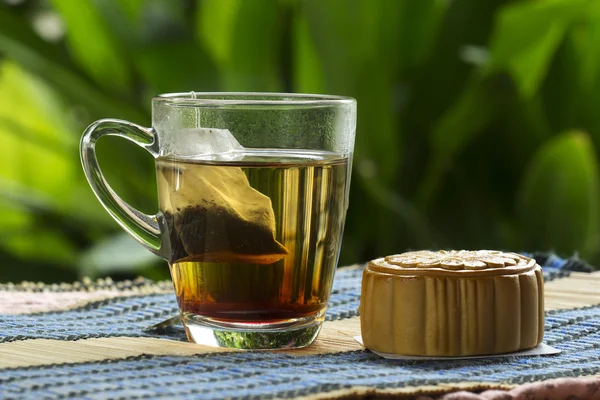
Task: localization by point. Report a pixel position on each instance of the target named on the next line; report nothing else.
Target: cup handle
(144, 228)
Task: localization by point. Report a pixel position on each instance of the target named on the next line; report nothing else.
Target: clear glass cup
(253, 191)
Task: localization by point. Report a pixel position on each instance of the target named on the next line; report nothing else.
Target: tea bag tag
(202, 142)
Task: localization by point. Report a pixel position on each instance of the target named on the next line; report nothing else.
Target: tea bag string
(196, 110)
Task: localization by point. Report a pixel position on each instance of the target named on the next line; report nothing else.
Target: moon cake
(452, 303)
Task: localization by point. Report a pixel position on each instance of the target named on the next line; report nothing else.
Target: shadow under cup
(253, 192)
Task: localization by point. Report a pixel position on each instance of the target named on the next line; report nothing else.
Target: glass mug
(253, 191)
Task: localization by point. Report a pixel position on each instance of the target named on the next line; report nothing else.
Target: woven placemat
(333, 367)
(241, 374)
(128, 316)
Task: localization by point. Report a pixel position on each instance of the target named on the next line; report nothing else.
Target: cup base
(289, 334)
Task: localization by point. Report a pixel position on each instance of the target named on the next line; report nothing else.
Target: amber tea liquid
(254, 239)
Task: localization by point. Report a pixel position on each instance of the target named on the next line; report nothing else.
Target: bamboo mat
(577, 290)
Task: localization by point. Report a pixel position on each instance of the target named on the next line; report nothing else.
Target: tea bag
(218, 217)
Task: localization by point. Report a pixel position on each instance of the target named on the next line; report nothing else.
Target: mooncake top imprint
(454, 262)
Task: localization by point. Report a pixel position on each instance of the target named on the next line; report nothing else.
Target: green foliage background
(479, 121)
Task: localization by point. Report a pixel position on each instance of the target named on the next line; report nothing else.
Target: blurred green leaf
(558, 197)
(194, 69)
(242, 37)
(157, 43)
(561, 93)
(29, 159)
(40, 173)
(576, 98)
(586, 37)
(92, 44)
(60, 145)
(527, 126)
(216, 24)
(123, 20)
(133, 9)
(20, 43)
(308, 70)
(414, 221)
(118, 253)
(471, 112)
(41, 244)
(334, 22)
(527, 35)
(420, 23)
(22, 236)
(525, 38)
(14, 217)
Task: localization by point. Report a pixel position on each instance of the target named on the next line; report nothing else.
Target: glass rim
(251, 98)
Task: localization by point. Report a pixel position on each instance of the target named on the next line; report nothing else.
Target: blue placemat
(129, 316)
(275, 375)
(272, 375)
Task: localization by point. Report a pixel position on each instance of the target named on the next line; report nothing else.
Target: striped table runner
(87, 340)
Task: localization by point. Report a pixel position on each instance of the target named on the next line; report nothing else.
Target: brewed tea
(254, 239)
